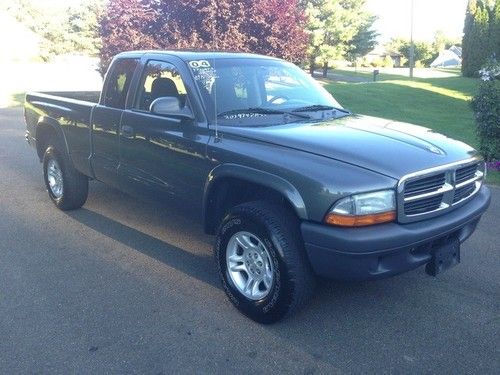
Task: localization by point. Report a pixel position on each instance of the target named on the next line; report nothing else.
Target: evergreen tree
(364, 41)
(495, 29)
(332, 25)
(481, 35)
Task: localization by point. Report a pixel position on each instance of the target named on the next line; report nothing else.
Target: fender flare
(255, 176)
(54, 124)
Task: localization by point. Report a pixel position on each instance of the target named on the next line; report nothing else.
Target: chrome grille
(463, 192)
(466, 173)
(423, 205)
(431, 192)
(424, 185)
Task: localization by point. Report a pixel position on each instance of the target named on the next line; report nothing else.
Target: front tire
(67, 187)
(262, 263)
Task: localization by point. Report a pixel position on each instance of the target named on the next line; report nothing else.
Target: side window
(118, 83)
(160, 79)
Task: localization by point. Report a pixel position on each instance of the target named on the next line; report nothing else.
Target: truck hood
(388, 147)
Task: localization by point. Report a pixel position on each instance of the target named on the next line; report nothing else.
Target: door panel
(163, 158)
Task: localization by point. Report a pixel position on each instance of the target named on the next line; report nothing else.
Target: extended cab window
(119, 82)
(160, 79)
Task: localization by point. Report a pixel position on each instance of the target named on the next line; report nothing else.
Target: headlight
(363, 209)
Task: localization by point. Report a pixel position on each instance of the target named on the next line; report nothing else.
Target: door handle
(128, 131)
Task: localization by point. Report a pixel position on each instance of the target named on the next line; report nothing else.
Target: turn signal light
(360, 220)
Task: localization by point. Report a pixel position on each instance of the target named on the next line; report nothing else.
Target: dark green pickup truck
(292, 184)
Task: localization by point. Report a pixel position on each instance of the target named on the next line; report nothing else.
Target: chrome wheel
(54, 177)
(249, 265)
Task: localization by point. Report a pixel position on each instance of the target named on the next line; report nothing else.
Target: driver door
(162, 156)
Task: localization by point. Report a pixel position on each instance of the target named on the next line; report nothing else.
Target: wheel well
(229, 192)
(44, 133)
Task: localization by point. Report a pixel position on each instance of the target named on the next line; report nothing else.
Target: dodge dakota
(292, 185)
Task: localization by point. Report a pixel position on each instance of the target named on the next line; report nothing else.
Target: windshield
(259, 91)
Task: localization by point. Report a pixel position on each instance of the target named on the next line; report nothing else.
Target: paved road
(123, 286)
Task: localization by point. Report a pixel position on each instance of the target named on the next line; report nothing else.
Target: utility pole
(412, 46)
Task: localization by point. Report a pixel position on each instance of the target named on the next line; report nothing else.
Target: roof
(447, 58)
(188, 55)
(456, 50)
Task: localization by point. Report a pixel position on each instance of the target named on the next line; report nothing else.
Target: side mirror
(170, 106)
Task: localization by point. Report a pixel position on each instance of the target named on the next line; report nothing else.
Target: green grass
(441, 104)
(367, 74)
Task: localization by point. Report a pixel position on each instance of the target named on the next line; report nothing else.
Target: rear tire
(67, 187)
(257, 240)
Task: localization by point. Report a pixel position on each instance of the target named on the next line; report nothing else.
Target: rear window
(118, 82)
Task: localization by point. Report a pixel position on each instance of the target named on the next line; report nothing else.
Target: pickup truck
(292, 185)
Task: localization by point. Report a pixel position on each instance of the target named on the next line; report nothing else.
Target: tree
(276, 22)
(364, 41)
(83, 26)
(269, 27)
(63, 30)
(123, 27)
(422, 52)
(495, 29)
(442, 41)
(332, 25)
(481, 38)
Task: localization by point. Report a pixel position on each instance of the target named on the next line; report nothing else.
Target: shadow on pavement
(200, 267)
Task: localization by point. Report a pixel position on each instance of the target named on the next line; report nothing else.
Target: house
(448, 58)
(380, 54)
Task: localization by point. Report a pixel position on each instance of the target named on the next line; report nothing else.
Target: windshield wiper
(262, 110)
(318, 107)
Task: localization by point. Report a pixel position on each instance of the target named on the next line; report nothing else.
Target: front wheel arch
(229, 185)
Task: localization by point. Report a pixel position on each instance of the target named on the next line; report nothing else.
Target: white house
(449, 57)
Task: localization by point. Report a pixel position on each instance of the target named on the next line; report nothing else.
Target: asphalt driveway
(124, 286)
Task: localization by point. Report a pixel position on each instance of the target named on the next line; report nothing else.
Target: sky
(429, 16)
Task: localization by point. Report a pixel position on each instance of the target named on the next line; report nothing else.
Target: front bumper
(387, 249)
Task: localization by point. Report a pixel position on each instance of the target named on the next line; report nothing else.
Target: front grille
(466, 173)
(428, 193)
(463, 192)
(423, 205)
(424, 185)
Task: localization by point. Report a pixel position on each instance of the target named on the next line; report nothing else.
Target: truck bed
(68, 112)
(86, 96)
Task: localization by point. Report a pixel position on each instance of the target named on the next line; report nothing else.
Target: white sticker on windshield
(199, 64)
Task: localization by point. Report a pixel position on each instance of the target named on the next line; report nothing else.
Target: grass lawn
(441, 104)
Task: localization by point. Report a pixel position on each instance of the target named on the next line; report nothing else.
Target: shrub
(486, 106)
